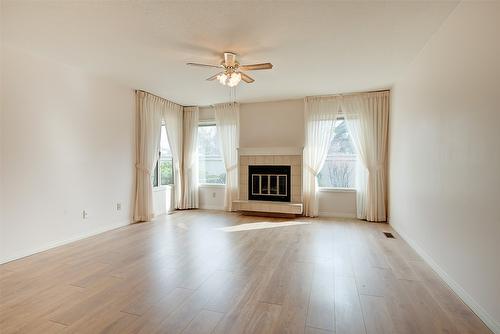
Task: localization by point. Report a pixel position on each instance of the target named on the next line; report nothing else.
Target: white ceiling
(316, 47)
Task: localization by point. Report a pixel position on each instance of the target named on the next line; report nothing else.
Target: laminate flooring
(212, 272)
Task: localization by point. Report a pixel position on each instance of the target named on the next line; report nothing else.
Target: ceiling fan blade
(245, 77)
(213, 77)
(203, 65)
(229, 59)
(254, 67)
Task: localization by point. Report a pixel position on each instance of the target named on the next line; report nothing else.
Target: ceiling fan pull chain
(234, 94)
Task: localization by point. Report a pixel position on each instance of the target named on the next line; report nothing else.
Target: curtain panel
(149, 117)
(227, 120)
(190, 159)
(173, 115)
(367, 116)
(320, 114)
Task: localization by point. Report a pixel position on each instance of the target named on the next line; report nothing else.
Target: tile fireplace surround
(271, 157)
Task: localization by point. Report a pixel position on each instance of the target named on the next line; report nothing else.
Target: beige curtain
(149, 116)
(228, 129)
(173, 117)
(367, 116)
(319, 116)
(190, 159)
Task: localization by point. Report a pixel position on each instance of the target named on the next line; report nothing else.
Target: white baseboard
(457, 288)
(51, 245)
(337, 214)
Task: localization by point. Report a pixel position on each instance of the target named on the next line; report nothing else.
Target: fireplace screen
(269, 183)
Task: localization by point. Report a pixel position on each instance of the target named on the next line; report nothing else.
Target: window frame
(338, 189)
(203, 123)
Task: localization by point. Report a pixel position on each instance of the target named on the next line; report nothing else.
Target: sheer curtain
(173, 118)
(319, 115)
(190, 159)
(149, 116)
(228, 129)
(367, 116)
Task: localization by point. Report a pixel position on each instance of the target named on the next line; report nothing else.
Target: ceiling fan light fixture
(234, 79)
(229, 79)
(222, 78)
(232, 73)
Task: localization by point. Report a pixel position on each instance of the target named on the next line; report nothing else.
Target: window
(211, 165)
(339, 170)
(164, 174)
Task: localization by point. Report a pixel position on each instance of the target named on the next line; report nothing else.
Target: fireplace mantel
(270, 150)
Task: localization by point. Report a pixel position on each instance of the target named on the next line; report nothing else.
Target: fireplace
(269, 183)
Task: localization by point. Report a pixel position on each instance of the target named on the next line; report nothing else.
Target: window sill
(211, 185)
(163, 188)
(337, 190)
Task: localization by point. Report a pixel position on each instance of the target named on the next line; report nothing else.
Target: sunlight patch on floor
(259, 226)
(183, 226)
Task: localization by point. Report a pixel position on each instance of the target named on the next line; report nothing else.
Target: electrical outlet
(118, 206)
(85, 214)
(213, 194)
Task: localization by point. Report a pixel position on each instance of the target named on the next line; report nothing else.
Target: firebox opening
(269, 183)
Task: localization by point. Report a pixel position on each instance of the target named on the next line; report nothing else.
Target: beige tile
(251, 160)
(275, 207)
(244, 160)
(283, 208)
(243, 189)
(269, 159)
(259, 160)
(287, 159)
(297, 160)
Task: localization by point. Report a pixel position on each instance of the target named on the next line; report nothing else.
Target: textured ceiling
(316, 47)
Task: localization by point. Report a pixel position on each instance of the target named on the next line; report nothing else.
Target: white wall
(212, 197)
(67, 146)
(272, 124)
(276, 124)
(1, 126)
(445, 155)
(163, 200)
(337, 203)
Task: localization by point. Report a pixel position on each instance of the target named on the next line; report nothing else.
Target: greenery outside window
(164, 173)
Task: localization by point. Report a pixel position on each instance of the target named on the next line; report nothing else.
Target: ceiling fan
(232, 72)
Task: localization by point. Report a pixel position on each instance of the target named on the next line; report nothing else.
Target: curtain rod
(352, 93)
(160, 97)
(341, 94)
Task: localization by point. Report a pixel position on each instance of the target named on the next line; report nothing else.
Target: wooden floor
(209, 272)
